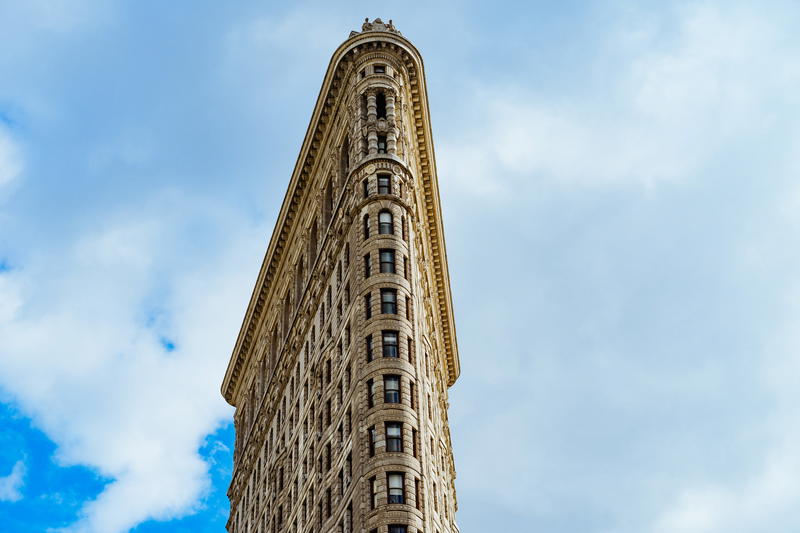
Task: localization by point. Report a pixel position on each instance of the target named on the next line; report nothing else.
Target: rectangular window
(387, 261)
(368, 346)
(371, 436)
(417, 501)
(395, 481)
(394, 528)
(368, 306)
(367, 266)
(389, 341)
(379, 69)
(413, 442)
(408, 308)
(412, 393)
(381, 144)
(384, 184)
(370, 393)
(405, 267)
(385, 223)
(391, 388)
(389, 301)
(366, 227)
(373, 492)
(394, 437)
(380, 105)
(365, 185)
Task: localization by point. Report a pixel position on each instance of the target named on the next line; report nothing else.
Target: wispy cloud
(10, 157)
(11, 485)
(657, 105)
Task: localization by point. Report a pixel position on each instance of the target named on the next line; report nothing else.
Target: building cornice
(333, 84)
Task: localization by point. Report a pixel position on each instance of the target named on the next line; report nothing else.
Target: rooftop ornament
(376, 25)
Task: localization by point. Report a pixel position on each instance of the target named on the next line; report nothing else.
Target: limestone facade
(341, 370)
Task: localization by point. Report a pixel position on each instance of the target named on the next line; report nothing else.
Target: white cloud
(659, 113)
(10, 158)
(81, 352)
(11, 485)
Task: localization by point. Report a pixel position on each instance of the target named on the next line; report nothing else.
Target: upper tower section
(372, 108)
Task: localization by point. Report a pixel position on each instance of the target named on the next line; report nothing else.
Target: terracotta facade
(341, 370)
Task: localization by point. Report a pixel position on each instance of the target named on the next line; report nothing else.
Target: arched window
(385, 223)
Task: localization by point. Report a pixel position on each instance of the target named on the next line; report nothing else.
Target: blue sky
(622, 212)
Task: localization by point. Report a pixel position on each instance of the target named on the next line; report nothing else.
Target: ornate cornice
(376, 36)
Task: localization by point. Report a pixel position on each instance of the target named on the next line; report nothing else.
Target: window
(387, 261)
(365, 185)
(390, 344)
(370, 393)
(380, 105)
(405, 267)
(403, 227)
(384, 184)
(396, 490)
(389, 301)
(379, 69)
(385, 223)
(417, 494)
(367, 266)
(368, 306)
(381, 144)
(412, 393)
(397, 529)
(414, 442)
(366, 227)
(327, 210)
(371, 437)
(394, 437)
(391, 389)
(368, 344)
(408, 308)
(344, 160)
(373, 492)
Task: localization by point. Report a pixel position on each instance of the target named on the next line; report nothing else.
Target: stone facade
(341, 369)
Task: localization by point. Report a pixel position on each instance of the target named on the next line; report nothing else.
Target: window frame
(387, 266)
(388, 301)
(394, 443)
(387, 227)
(391, 395)
(388, 347)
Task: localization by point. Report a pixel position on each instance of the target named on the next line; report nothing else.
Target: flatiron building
(341, 370)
